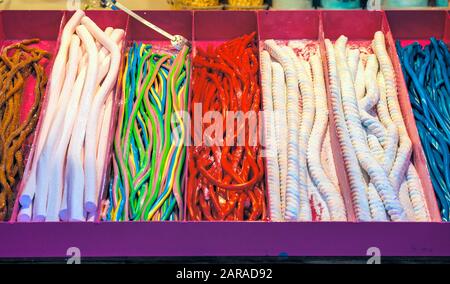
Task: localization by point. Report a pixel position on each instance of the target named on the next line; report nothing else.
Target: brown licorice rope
(17, 62)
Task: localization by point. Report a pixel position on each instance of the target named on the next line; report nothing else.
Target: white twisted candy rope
(416, 195)
(328, 159)
(279, 106)
(405, 200)
(273, 171)
(304, 76)
(357, 134)
(293, 199)
(353, 61)
(376, 206)
(332, 195)
(404, 151)
(391, 144)
(402, 162)
(356, 180)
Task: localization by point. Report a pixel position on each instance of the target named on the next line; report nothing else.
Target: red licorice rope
(226, 181)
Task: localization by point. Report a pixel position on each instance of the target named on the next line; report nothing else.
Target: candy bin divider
(266, 183)
(418, 155)
(186, 163)
(33, 139)
(447, 28)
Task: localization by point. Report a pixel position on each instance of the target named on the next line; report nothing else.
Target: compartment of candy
(375, 120)
(147, 181)
(84, 76)
(28, 48)
(424, 56)
(309, 187)
(226, 167)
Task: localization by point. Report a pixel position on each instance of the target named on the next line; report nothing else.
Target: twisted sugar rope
(377, 174)
(374, 128)
(273, 170)
(404, 151)
(357, 183)
(390, 146)
(353, 61)
(359, 80)
(331, 194)
(293, 195)
(371, 122)
(91, 189)
(376, 148)
(402, 162)
(305, 83)
(328, 159)
(416, 195)
(405, 200)
(377, 209)
(279, 105)
(388, 137)
(366, 104)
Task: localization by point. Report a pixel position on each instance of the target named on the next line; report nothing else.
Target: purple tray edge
(223, 239)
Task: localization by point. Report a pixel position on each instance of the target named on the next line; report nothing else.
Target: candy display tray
(185, 238)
